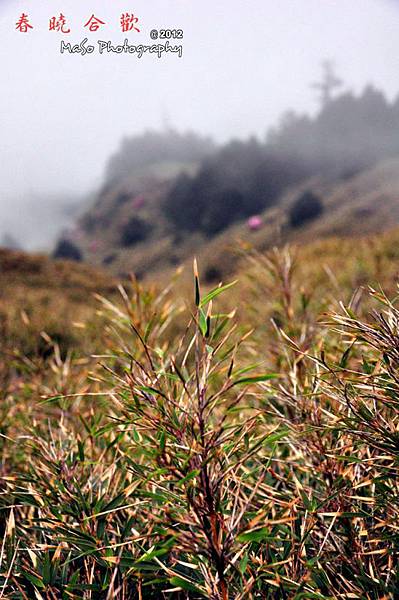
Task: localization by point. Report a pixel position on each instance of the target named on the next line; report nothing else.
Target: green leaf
(215, 292)
(34, 579)
(136, 436)
(349, 459)
(162, 440)
(243, 564)
(81, 448)
(184, 584)
(149, 328)
(351, 313)
(46, 569)
(274, 437)
(258, 535)
(151, 554)
(256, 379)
(309, 503)
(247, 369)
(368, 367)
(202, 323)
(344, 359)
(188, 477)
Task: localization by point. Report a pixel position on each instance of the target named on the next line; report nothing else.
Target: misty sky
(244, 64)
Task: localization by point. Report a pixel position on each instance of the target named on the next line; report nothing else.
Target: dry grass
(249, 454)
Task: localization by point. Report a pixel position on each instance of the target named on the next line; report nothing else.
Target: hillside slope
(366, 203)
(44, 302)
(126, 230)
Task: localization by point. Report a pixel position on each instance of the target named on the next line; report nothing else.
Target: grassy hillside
(39, 295)
(367, 202)
(169, 196)
(227, 444)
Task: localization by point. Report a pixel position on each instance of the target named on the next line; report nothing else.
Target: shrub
(66, 249)
(122, 198)
(306, 208)
(109, 259)
(240, 180)
(227, 207)
(136, 230)
(212, 273)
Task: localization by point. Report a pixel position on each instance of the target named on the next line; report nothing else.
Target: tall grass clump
(205, 457)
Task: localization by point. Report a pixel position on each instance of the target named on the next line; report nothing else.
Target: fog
(243, 65)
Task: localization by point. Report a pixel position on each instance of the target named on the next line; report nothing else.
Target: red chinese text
(94, 23)
(129, 22)
(23, 24)
(59, 24)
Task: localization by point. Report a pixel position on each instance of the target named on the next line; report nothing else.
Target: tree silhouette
(329, 83)
(306, 208)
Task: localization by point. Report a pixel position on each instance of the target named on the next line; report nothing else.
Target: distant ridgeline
(348, 135)
(171, 184)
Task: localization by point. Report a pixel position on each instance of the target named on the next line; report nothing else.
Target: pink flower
(138, 202)
(94, 246)
(255, 223)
